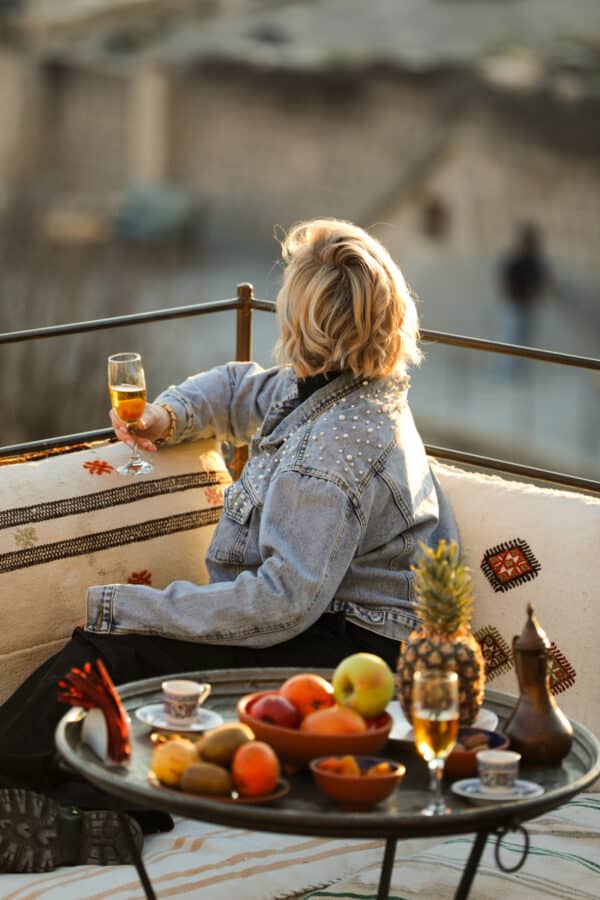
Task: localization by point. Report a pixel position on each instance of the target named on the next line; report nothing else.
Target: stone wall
(273, 149)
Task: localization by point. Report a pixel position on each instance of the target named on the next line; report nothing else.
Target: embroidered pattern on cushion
(98, 467)
(142, 577)
(214, 495)
(105, 540)
(26, 537)
(496, 652)
(509, 564)
(562, 673)
(128, 493)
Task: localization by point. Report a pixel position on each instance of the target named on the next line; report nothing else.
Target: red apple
(276, 710)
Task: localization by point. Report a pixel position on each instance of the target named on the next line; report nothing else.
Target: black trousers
(29, 717)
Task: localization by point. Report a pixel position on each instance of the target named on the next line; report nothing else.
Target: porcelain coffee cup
(181, 699)
(498, 769)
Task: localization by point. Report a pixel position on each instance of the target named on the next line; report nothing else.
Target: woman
(311, 558)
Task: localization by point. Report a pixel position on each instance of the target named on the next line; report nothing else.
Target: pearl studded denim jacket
(327, 515)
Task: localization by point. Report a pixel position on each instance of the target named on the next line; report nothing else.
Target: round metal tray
(305, 810)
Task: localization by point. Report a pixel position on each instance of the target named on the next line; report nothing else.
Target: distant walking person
(524, 278)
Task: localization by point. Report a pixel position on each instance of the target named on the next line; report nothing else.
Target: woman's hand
(153, 425)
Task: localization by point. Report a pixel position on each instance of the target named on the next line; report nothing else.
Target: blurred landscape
(152, 150)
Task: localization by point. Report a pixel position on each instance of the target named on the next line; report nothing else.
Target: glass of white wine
(435, 724)
(127, 388)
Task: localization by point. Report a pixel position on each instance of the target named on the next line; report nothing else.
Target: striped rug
(563, 863)
(210, 862)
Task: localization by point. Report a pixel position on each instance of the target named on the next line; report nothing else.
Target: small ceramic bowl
(358, 792)
(297, 748)
(463, 763)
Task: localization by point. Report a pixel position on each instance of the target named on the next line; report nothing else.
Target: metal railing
(245, 304)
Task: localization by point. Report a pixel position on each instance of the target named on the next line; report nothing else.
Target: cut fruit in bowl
(356, 782)
(462, 762)
(298, 748)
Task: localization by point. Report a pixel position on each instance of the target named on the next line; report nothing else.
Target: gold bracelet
(172, 425)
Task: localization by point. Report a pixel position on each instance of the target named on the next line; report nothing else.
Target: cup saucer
(153, 715)
(471, 789)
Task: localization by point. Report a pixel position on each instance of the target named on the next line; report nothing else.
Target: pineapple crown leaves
(444, 589)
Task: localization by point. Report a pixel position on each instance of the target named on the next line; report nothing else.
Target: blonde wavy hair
(343, 303)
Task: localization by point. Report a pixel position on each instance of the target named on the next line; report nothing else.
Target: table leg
(470, 869)
(137, 858)
(386, 869)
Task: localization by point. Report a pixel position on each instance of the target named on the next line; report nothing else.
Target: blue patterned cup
(498, 770)
(181, 699)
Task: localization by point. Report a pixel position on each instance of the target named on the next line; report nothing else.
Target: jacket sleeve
(228, 402)
(282, 598)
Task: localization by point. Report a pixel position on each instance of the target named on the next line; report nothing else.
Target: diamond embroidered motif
(496, 652)
(509, 564)
(562, 673)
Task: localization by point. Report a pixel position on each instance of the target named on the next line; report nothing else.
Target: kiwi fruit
(206, 778)
(220, 744)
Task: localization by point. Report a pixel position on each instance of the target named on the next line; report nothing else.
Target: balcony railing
(245, 304)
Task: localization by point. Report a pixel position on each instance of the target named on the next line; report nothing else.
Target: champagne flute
(435, 724)
(127, 388)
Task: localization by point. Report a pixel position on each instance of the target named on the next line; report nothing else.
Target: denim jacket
(326, 516)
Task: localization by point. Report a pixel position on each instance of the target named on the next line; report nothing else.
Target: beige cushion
(527, 544)
(70, 521)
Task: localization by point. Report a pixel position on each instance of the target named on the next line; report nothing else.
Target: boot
(37, 834)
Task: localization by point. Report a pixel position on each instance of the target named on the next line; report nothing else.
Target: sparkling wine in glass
(127, 388)
(435, 725)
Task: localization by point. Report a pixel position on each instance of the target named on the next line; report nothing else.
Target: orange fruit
(382, 768)
(307, 692)
(334, 720)
(255, 769)
(349, 766)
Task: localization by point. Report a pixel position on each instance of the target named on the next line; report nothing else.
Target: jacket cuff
(100, 604)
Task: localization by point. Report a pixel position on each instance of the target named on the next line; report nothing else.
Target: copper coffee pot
(537, 729)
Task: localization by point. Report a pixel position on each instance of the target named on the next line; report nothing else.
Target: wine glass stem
(436, 773)
(134, 456)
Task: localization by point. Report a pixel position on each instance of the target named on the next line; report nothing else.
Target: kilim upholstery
(527, 544)
(71, 520)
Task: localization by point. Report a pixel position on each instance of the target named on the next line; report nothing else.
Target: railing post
(243, 345)
(243, 352)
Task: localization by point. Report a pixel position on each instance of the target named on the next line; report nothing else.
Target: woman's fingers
(146, 444)
(142, 434)
(120, 428)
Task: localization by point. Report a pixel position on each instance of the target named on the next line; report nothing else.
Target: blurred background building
(149, 149)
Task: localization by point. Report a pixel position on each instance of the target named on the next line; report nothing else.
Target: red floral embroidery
(98, 467)
(143, 577)
(214, 495)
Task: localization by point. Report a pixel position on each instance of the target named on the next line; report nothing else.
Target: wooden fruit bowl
(299, 747)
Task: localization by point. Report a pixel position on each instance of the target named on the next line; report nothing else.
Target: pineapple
(444, 639)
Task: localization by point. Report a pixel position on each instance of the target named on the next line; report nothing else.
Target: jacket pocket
(236, 537)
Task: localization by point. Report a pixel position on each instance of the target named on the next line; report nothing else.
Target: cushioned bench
(70, 521)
